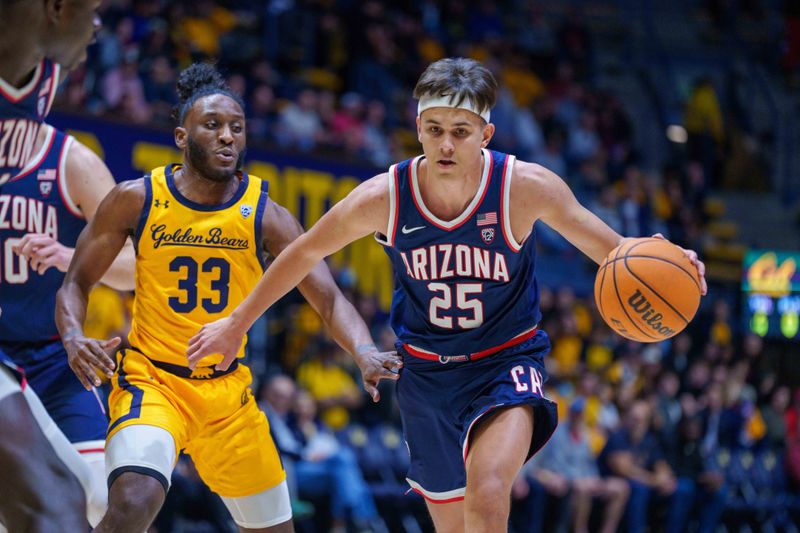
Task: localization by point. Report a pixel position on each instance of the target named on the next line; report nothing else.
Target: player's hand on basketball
(43, 251)
(87, 356)
(222, 336)
(375, 366)
(695, 260)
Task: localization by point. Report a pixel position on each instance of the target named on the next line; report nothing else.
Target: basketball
(647, 290)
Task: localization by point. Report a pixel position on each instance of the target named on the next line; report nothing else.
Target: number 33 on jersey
(184, 255)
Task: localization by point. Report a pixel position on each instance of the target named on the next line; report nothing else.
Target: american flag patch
(487, 219)
(46, 175)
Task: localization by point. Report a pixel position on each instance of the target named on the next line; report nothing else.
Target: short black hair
(461, 79)
(199, 80)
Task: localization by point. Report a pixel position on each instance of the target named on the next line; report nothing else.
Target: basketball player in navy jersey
(43, 209)
(457, 223)
(37, 39)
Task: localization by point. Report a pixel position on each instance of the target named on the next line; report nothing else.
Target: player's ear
(180, 137)
(419, 129)
(488, 132)
(54, 9)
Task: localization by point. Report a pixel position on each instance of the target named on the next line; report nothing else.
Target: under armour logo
(157, 203)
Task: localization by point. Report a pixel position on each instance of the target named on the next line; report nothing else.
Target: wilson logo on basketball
(649, 315)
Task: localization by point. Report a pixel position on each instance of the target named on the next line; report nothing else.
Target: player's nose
(225, 134)
(447, 146)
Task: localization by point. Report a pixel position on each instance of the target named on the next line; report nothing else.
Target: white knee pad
(94, 488)
(93, 454)
(8, 384)
(148, 450)
(265, 509)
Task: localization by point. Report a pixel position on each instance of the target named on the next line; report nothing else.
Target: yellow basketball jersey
(194, 263)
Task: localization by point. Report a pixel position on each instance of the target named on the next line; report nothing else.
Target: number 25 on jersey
(442, 308)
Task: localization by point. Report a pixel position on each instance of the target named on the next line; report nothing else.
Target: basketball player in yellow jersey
(201, 229)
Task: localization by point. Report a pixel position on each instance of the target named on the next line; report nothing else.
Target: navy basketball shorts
(79, 414)
(441, 402)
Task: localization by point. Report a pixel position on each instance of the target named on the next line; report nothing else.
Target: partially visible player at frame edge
(201, 229)
(39, 42)
(457, 224)
(42, 211)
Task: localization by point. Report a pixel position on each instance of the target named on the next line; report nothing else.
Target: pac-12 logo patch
(487, 234)
(245, 210)
(45, 187)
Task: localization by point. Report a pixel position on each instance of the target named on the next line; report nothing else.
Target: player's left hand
(221, 336)
(695, 260)
(375, 366)
(42, 252)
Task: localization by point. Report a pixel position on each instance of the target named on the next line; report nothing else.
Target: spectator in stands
(276, 399)
(704, 124)
(376, 148)
(774, 415)
(347, 124)
(190, 505)
(327, 469)
(711, 417)
(206, 24)
(568, 455)
(668, 408)
(583, 142)
(159, 89)
(299, 124)
(331, 386)
(123, 91)
(262, 119)
(541, 497)
(705, 487)
(635, 454)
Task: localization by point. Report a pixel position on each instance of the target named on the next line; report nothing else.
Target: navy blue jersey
(21, 114)
(463, 288)
(35, 201)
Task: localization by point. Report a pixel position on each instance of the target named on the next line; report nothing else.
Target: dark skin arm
(346, 326)
(99, 243)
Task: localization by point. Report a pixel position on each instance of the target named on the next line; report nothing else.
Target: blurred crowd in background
(703, 429)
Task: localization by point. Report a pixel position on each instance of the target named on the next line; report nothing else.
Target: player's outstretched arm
(347, 327)
(98, 245)
(88, 182)
(538, 193)
(365, 210)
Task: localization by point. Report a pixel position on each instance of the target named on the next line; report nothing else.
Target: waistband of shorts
(431, 356)
(201, 373)
(28, 345)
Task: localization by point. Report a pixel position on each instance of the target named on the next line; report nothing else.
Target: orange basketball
(647, 290)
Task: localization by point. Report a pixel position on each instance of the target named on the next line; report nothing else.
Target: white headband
(427, 102)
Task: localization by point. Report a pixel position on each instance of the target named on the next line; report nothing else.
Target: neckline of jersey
(488, 163)
(16, 95)
(173, 188)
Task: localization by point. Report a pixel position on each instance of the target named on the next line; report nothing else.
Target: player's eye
(434, 129)
(211, 124)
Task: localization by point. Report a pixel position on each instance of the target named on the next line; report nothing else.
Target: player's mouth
(445, 163)
(226, 155)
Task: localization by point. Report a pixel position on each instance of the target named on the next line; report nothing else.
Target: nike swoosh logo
(406, 230)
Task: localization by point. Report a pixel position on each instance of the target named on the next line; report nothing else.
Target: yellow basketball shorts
(215, 420)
